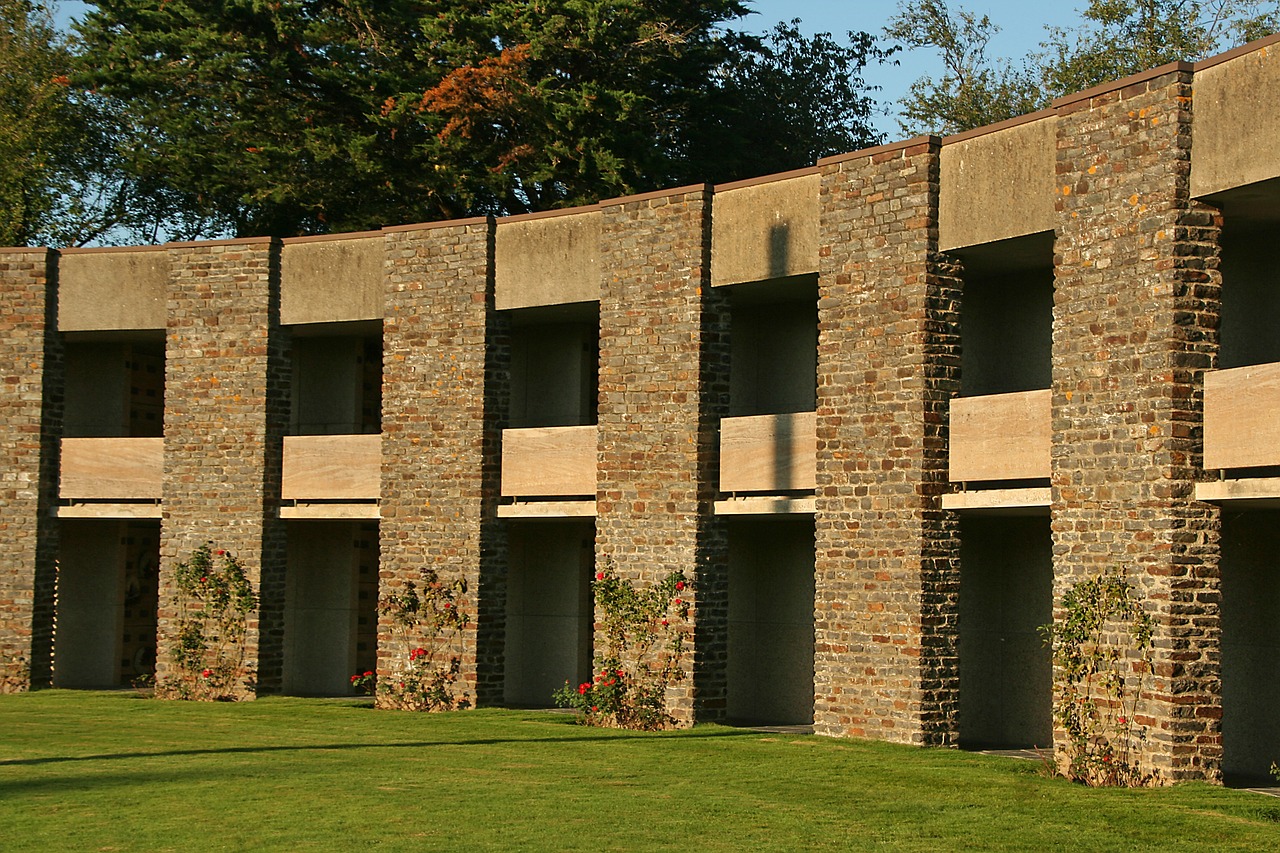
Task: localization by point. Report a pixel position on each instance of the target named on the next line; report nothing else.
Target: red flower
(679, 585)
(220, 552)
(665, 623)
(368, 673)
(417, 653)
(679, 601)
(599, 576)
(595, 707)
(618, 672)
(583, 688)
(355, 677)
(206, 673)
(1122, 721)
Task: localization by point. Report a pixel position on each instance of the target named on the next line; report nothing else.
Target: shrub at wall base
(645, 635)
(1102, 662)
(424, 648)
(215, 600)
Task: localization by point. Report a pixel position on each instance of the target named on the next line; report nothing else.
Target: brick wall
(888, 362)
(226, 411)
(444, 390)
(31, 411)
(1135, 326)
(663, 388)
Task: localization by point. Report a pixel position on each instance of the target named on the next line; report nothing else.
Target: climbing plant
(424, 646)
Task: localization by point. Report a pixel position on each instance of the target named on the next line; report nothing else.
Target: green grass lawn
(94, 771)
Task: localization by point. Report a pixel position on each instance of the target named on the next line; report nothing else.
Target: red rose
(599, 576)
(665, 623)
(220, 552)
(679, 601)
(206, 673)
(595, 707)
(679, 584)
(368, 673)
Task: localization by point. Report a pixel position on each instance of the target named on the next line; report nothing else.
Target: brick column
(1135, 327)
(663, 389)
(31, 415)
(887, 569)
(226, 408)
(444, 390)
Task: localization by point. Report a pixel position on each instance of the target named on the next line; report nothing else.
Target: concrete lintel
(1256, 491)
(336, 511)
(109, 510)
(766, 505)
(1001, 501)
(549, 509)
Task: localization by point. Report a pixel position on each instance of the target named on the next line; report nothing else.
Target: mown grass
(85, 771)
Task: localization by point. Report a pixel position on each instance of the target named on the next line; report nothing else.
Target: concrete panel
(1000, 437)
(108, 289)
(553, 375)
(91, 564)
(765, 230)
(768, 453)
(320, 609)
(111, 468)
(1242, 417)
(327, 378)
(1250, 568)
(774, 361)
(998, 184)
(771, 589)
(331, 280)
(97, 390)
(550, 462)
(1006, 594)
(547, 260)
(548, 609)
(1237, 120)
(332, 467)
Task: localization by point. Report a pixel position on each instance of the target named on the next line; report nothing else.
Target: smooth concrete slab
(1242, 417)
(547, 259)
(1025, 501)
(548, 509)
(331, 279)
(768, 453)
(765, 228)
(332, 467)
(1250, 491)
(111, 469)
(549, 461)
(997, 182)
(112, 289)
(332, 512)
(1237, 120)
(110, 510)
(766, 505)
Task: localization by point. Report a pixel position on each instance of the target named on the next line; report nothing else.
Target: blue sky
(1022, 26)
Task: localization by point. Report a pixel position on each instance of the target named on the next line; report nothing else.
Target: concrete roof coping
(1122, 83)
(25, 250)
(551, 214)
(236, 241)
(428, 226)
(323, 238)
(926, 139)
(111, 250)
(767, 179)
(1016, 121)
(1259, 44)
(649, 196)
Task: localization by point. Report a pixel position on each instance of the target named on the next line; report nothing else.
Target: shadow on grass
(249, 750)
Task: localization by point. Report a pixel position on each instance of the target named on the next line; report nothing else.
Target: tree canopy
(292, 117)
(1116, 38)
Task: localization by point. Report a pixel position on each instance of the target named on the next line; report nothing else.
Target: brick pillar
(1135, 326)
(887, 569)
(444, 390)
(663, 389)
(226, 408)
(31, 419)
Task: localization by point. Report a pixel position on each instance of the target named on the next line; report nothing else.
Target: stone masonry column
(1134, 329)
(445, 380)
(226, 410)
(887, 570)
(663, 388)
(31, 412)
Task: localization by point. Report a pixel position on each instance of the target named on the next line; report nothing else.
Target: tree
(1116, 38)
(303, 116)
(970, 92)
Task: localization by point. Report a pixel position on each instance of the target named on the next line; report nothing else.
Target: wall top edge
(1210, 61)
(926, 139)
(767, 179)
(650, 196)
(1123, 82)
(430, 226)
(1008, 123)
(324, 238)
(112, 250)
(236, 241)
(25, 250)
(551, 214)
